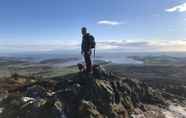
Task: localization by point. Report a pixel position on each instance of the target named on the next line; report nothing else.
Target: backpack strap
(94, 53)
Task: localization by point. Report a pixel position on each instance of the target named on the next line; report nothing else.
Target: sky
(120, 25)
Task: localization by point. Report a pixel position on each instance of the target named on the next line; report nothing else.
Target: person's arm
(82, 46)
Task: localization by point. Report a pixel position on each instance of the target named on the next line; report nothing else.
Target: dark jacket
(86, 43)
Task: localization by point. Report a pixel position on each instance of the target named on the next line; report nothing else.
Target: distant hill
(58, 60)
(161, 60)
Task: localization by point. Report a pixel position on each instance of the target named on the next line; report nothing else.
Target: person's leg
(88, 62)
(89, 65)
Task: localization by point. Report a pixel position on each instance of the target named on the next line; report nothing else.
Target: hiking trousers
(87, 58)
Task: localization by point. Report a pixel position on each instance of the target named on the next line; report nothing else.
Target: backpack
(92, 42)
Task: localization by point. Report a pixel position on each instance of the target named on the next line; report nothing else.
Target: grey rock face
(81, 95)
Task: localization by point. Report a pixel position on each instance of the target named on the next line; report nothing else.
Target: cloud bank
(144, 46)
(122, 45)
(177, 8)
(108, 22)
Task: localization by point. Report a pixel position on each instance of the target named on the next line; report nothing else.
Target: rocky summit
(80, 95)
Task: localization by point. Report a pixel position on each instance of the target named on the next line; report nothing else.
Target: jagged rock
(11, 106)
(27, 107)
(88, 109)
(3, 94)
(119, 111)
(151, 112)
(99, 71)
(81, 95)
(127, 102)
(36, 92)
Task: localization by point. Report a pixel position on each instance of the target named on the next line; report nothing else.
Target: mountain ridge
(81, 95)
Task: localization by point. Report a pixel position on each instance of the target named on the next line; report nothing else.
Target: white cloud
(114, 45)
(126, 45)
(107, 22)
(177, 45)
(37, 47)
(178, 8)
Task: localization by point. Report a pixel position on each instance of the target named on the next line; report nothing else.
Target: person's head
(84, 30)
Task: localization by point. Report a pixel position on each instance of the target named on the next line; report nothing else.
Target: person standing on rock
(88, 43)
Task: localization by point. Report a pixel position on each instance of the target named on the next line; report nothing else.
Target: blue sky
(44, 25)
